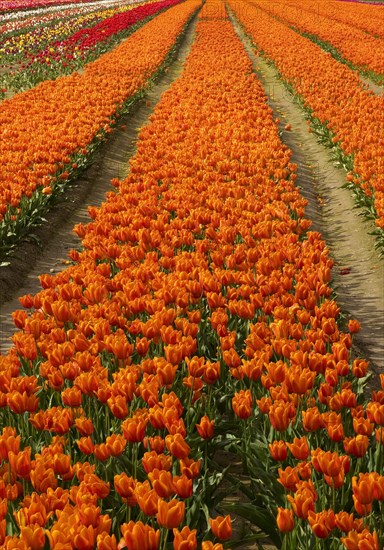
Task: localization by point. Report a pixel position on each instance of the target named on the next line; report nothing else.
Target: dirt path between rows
(358, 274)
(56, 236)
(375, 88)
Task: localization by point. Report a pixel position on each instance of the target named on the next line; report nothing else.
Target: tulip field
(189, 380)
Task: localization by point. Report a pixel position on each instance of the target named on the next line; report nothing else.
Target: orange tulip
(185, 539)
(134, 430)
(116, 444)
(364, 488)
(125, 486)
(162, 482)
(190, 467)
(183, 486)
(365, 539)
(72, 397)
(285, 520)
(289, 478)
(322, 523)
(299, 448)
(312, 419)
(177, 446)
(170, 514)
(242, 404)
(344, 521)
(34, 536)
(138, 536)
(20, 463)
(212, 372)
(153, 460)
(356, 446)
(359, 368)
(147, 498)
(281, 415)
(278, 450)
(221, 527)
(106, 542)
(302, 503)
(205, 427)
(209, 545)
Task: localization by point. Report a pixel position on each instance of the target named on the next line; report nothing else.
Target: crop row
(46, 16)
(78, 48)
(29, 38)
(354, 45)
(368, 18)
(197, 316)
(16, 5)
(49, 131)
(345, 115)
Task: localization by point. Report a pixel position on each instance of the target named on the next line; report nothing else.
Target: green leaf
(260, 517)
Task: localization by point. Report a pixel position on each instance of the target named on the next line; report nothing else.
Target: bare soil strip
(358, 274)
(375, 88)
(56, 237)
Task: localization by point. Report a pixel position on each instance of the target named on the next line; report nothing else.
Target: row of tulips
(81, 47)
(347, 117)
(366, 17)
(133, 469)
(40, 32)
(20, 5)
(46, 16)
(197, 315)
(354, 45)
(49, 131)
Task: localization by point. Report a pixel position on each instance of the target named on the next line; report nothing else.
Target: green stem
(134, 459)
(128, 516)
(165, 535)
(205, 456)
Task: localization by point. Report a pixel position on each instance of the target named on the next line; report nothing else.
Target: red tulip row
(349, 115)
(47, 132)
(13, 25)
(66, 44)
(353, 44)
(25, 38)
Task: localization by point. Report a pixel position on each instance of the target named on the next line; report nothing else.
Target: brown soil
(375, 88)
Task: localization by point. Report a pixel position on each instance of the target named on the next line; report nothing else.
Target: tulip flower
(285, 520)
(205, 427)
(170, 514)
(242, 404)
(278, 450)
(138, 536)
(185, 539)
(221, 527)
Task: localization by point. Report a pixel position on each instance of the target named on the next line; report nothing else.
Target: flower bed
(197, 316)
(49, 132)
(58, 57)
(353, 46)
(13, 5)
(27, 37)
(357, 14)
(42, 16)
(345, 115)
